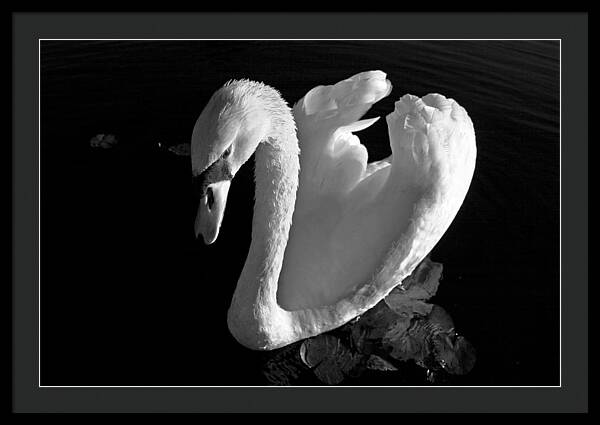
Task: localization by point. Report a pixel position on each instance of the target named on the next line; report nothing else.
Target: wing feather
(332, 159)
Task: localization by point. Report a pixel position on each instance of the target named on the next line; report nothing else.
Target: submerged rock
(105, 141)
(182, 149)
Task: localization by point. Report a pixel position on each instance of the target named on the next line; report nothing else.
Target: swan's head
(225, 136)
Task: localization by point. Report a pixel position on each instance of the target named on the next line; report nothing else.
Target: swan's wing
(359, 229)
(373, 167)
(332, 158)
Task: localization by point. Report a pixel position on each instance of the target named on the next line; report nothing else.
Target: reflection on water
(401, 331)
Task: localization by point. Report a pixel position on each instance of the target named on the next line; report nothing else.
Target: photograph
(299, 212)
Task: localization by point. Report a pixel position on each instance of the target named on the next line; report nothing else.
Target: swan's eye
(227, 152)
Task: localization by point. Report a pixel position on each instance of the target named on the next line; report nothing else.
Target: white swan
(332, 235)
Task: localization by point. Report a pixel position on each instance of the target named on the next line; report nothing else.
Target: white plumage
(332, 234)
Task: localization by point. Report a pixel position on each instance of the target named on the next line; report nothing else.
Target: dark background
(128, 297)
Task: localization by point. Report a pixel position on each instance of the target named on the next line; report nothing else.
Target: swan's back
(354, 222)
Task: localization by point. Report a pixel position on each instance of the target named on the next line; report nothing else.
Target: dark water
(130, 298)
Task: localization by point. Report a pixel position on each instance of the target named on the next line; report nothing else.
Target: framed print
(271, 216)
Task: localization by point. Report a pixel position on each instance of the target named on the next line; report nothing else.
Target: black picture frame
(570, 28)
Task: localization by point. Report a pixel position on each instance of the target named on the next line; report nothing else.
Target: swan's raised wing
(332, 158)
(359, 229)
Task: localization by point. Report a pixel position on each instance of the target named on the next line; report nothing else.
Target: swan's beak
(211, 210)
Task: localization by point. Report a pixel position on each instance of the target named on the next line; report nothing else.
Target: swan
(332, 235)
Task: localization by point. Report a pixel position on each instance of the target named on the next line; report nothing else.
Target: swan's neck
(254, 302)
